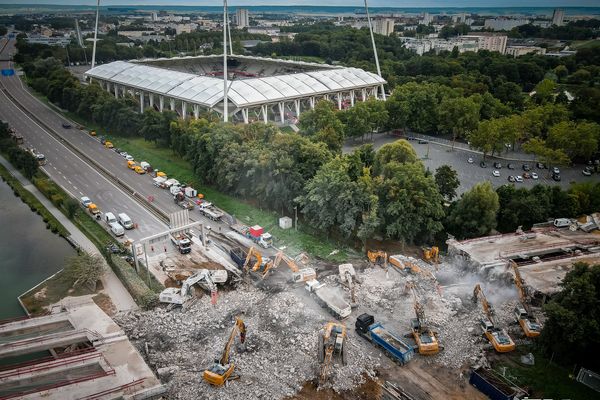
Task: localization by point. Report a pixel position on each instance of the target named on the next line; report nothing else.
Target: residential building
(517, 51)
(241, 18)
(427, 19)
(185, 28)
(504, 24)
(154, 17)
(383, 26)
(489, 41)
(558, 17)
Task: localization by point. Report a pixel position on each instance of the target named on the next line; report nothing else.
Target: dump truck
(183, 244)
(391, 343)
(254, 233)
(238, 256)
(494, 385)
(210, 211)
(329, 298)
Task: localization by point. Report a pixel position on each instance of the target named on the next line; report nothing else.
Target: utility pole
(374, 48)
(95, 35)
(229, 33)
(296, 218)
(225, 111)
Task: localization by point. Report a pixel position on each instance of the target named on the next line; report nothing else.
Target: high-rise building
(427, 19)
(488, 41)
(241, 18)
(504, 24)
(558, 17)
(154, 17)
(383, 26)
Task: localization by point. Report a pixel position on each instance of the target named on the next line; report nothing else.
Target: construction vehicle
(183, 244)
(348, 277)
(427, 342)
(108, 144)
(332, 344)
(404, 264)
(431, 254)
(530, 325)
(93, 209)
(378, 257)
(254, 233)
(298, 275)
(374, 332)
(210, 211)
(220, 372)
(180, 199)
(498, 337)
(329, 298)
(139, 170)
(238, 256)
(207, 279)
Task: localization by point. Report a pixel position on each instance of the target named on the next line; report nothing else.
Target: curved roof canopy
(208, 91)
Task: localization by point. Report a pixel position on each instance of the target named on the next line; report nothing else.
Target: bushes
(142, 295)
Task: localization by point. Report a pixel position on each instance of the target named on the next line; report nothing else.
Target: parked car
(66, 125)
(586, 172)
(556, 171)
(497, 165)
(470, 160)
(510, 166)
(526, 175)
(483, 164)
(540, 165)
(534, 175)
(496, 173)
(526, 167)
(86, 201)
(124, 154)
(422, 141)
(511, 178)
(556, 177)
(129, 157)
(411, 138)
(117, 150)
(518, 178)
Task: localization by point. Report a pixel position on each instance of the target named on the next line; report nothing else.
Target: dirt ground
(104, 302)
(368, 390)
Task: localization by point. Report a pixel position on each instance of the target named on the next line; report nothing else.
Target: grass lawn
(51, 291)
(545, 379)
(584, 44)
(173, 165)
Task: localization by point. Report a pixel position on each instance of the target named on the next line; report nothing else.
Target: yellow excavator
(427, 342)
(220, 372)
(498, 337)
(298, 274)
(258, 267)
(530, 325)
(332, 343)
(431, 254)
(378, 257)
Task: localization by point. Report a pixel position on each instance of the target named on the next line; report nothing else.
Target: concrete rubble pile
(281, 345)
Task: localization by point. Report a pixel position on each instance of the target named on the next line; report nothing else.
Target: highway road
(77, 174)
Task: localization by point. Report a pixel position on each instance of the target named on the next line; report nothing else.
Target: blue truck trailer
(495, 386)
(238, 256)
(391, 343)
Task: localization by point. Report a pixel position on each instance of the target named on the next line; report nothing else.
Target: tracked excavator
(298, 274)
(260, 266)
(431, 254)
(332, 344)
(348, 278)
(221, 371)
(427, 341)
(207, 279)
(377, 257)
(530, 325)
(498, 337)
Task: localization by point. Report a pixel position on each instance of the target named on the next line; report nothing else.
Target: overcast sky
(350, 3)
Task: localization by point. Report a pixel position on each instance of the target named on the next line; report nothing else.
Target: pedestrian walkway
(113, 287)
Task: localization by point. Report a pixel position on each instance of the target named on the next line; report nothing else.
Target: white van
(562, 222)
(117, 229)
(125, 221)
(175, 189)
(109, 218)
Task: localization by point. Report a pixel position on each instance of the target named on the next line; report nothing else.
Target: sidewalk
(113, 287)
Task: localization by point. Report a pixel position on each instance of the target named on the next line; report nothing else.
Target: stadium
(259, 89)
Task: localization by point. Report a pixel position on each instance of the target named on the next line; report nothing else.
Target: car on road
(117, 150)
(534, 175)
(496, 173)
(483, 164)
(586, 172)
(497, 165)
(556, 177)
(526, 175)
(92, 133)
(518, 178)
(511, 178)
(470, 160)
(540, 165)
(86, 201)
(129, 157)
(526, 167)
(411, 138)
(555, 170)
(102, 140)
(66, 125)
(510, 166)
(124, 154)
(422, 141)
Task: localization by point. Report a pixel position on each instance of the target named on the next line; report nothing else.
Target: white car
(123, 154)
(470, 160)
(496, 173)
(534, 175)
(85, 201)
(129, 157)
(519, 178)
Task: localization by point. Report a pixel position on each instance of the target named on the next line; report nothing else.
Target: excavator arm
(238, 327)
(478, 294)
(253, 252)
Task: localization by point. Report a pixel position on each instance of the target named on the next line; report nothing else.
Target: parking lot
(434, 155)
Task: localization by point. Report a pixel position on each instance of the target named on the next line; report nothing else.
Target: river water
(29, 253)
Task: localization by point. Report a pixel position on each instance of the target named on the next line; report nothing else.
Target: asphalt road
(435, 155)
(81, 179)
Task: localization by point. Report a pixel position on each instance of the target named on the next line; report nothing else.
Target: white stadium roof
(208, 91)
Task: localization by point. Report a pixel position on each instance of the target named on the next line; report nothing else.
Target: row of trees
(21, 159)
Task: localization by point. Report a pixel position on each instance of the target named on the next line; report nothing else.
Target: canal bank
(112, 286)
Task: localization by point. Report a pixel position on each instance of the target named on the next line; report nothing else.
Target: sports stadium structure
(264, 89)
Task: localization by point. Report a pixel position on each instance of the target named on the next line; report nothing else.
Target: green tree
(324, 116)
(575, 139)
(487, 138)
(446, 179)
(356, 120)
(458, 116)
(474, 214)
(550, 157)
(572, 329)
(544, 91)
(156, 126)
(84, 270)
(71, 207)
(400, 151)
